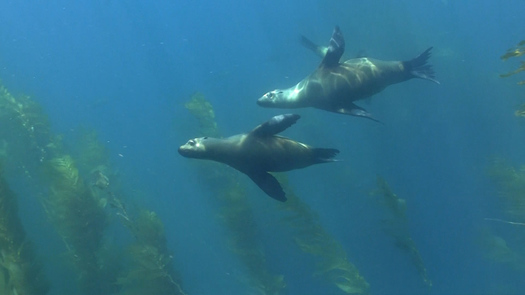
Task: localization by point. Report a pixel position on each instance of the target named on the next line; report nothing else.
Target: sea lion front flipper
(335, 49)
(275, 125)
(357, 111)
(319, 50)
(268, 184)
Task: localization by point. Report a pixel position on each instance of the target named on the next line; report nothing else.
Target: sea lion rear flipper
(275, 125)
(357, 111)
(268, 184)
(335, 49)
(325, 155)
(419, 68)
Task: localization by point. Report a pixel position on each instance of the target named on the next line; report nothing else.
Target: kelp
(516, 51)
(20, 270)
(78, 193)
(331, 259)
(396, 225)
(235, 212)
(520, 112)
(80, 219)
(26, 127)
(496, 249)
(203, 111)
(510, 184)
(90, 154)
(151, 265)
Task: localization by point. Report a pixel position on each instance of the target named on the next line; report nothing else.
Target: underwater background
(96, 97)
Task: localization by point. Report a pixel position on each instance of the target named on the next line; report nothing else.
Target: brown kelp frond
(91, 153)
(20, 270)
(25, 126)
(396, 225)
(516, 51)
(510, 182)
(235, 212)
(496, 249)
(331, 259)
(151, 270)
(390, 200)
(520, 112)
(80, 219)
(202, 109)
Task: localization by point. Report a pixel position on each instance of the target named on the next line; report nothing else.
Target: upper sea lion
(334, 86)
(260, 151)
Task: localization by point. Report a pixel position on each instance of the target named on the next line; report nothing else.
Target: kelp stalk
(331, 259)
(20, 271)
(511, 188)
(516, 51)
(151, 270)
(397, 226)
(81, 221)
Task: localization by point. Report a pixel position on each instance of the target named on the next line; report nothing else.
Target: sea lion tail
(419, 68)
(322, 155)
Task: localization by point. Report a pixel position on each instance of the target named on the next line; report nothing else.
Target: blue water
(125, 68)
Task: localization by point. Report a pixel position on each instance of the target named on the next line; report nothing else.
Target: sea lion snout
(270, 98)
(266, 99)
(188, 149)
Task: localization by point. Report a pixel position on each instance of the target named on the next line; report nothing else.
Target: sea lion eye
(191, 142)
(270, 95)
(205, 137)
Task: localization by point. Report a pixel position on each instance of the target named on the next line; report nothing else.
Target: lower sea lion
(260, 151)
(334, 86)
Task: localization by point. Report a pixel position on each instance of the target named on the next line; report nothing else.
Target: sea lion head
(194, 148)
(274, 99)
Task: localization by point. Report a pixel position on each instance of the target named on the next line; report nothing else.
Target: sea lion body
(353, 80)
(260, 151)
(335, 86)
(243, 152)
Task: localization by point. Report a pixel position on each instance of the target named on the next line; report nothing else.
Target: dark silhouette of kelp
(20, 271)
(80, 219)
(76, 204)
(235, 212)
(331, 259)
(150, 268)
(511, 188)
(516, 51)
(396, 225)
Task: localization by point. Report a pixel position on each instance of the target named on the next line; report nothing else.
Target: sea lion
(260, 151)
(334, 86)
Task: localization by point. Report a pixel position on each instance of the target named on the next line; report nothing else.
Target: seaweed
(520, 112)
(331, 259)
(396, 225)
(78, 193)
(202, 110)
(516, 51)
(20, 270)
(496, 249)
(81, 221)
(510, 183)
(235, 212)
(151, 270)
(26, 127)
